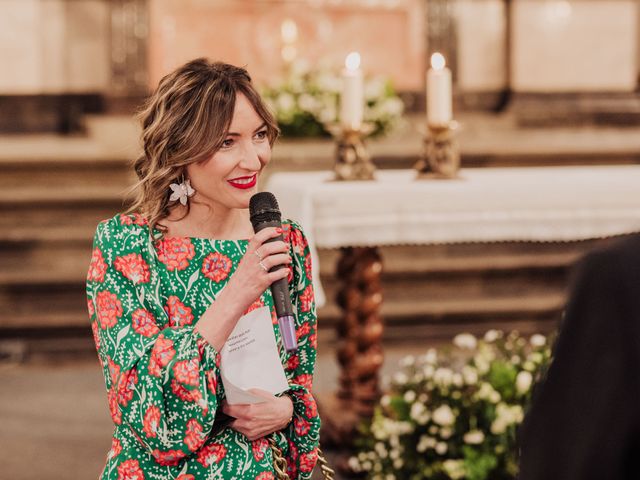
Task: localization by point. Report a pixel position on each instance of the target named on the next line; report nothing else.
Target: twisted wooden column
(360, 329)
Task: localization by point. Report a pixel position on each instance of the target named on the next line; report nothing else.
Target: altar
(554, 204)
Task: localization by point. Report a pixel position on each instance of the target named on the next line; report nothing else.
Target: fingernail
(279, 230)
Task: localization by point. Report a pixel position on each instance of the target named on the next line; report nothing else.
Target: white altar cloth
(483, 205)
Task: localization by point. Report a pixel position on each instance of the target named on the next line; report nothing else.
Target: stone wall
(388, 34)
(54, 46)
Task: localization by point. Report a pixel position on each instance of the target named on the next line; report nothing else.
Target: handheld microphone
(264, 212)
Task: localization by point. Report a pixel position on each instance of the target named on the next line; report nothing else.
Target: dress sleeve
(161, 383)
(304, 431)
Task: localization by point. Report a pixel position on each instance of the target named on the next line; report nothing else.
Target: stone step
(66, 258)
(410, 259)
(35, 195)
(64, 306)
(42, 282)
(26, 224)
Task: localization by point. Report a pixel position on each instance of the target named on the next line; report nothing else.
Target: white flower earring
(181, 191)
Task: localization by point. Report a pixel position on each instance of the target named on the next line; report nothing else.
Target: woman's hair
(185, 121)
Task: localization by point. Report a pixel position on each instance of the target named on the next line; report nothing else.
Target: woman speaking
(169, 280)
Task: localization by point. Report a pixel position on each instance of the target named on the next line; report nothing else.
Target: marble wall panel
(575, 46)
(20, 47)
(481, 26)
(388, 34)
(54, 46)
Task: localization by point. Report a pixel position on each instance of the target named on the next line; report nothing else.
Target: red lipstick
(243, 183)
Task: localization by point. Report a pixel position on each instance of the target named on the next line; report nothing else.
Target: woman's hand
(252, 277)
(259, 419)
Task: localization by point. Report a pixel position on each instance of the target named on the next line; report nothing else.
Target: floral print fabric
(163, 382)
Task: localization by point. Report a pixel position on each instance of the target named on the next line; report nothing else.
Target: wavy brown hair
(185, 121)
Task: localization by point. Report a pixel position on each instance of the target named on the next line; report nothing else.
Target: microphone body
(265, 213)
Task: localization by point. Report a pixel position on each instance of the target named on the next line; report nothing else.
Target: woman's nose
(250, 157)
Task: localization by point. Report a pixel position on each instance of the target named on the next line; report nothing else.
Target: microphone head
(263, 207)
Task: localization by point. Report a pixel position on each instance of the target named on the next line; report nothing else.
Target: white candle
(352, 98)
(438, 92)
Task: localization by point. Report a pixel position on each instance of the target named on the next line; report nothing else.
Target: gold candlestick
(440, 157)
(353, 161)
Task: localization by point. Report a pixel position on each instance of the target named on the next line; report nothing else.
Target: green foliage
(306, 102)
(453, 413)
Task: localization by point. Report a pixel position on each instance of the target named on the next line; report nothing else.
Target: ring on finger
(263, 266)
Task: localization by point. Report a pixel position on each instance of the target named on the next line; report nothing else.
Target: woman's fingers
(241, 412)
(258, 419)
(272, 248)
(273, 260)
(263, 235)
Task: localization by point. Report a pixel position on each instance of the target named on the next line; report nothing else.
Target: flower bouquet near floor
(306, 101)
(453, 413)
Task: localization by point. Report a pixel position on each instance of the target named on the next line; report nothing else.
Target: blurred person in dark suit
(584, 422)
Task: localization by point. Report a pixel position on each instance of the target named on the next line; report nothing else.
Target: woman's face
(230, 176)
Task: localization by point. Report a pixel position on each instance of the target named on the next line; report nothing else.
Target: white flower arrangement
(306, 102)
(453, 414)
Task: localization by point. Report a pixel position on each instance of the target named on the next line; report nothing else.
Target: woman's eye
(227, 143)
(262, 135)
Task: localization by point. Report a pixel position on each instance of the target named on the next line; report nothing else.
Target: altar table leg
(360, 343)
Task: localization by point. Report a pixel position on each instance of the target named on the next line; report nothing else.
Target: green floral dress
(145, 296)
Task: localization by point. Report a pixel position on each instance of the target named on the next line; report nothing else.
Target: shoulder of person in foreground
(621, 256)
(574, 422)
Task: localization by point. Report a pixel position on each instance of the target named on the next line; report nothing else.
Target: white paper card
(249, 359)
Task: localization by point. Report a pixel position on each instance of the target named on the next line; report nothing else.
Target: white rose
(537, 340)
(470, 375)
(498, 426)
(409, 396)
(381, 450)
(422, 445)
(523, 382)
(428, 371)
(474, 437)
(286, 102)
(487, 392)
(465, 341)
(443, 376)
(430, 357)
(400, 378)
(441, 448)
(536, 357)
(505, 416)
(454, 468)
(327, 115)
(425, 443)
(374, 88)
(393, 107)
(443, 415)
(417, 410)
(307, 102)
(354, 464)
(407, 361)
(492, 335)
